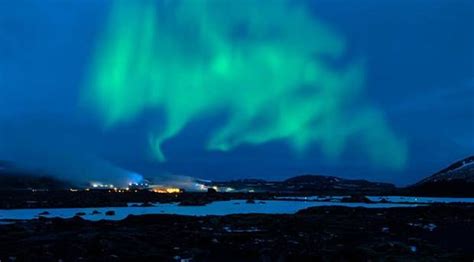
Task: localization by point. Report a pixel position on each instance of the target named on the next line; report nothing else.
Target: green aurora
(266, 64)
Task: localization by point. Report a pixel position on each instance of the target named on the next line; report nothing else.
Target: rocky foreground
(431, 233)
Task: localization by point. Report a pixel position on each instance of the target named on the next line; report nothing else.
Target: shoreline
(319, 233)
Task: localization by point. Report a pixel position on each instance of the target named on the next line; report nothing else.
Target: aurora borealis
(223, 90)
(266, 64)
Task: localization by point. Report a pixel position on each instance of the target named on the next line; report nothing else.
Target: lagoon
(218, 208)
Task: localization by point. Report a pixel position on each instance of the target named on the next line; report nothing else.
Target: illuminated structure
(166, 190)
(154, 188)
(139, 186)
(100, 186)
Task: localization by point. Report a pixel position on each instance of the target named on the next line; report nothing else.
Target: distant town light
(166, 190)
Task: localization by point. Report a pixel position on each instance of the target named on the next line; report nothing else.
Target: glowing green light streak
(262, 62)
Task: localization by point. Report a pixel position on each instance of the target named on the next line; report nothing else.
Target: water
(286, 205)
(394, 199)
(427, 200)
(218, 208)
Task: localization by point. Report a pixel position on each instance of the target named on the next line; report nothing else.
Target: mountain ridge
(455, 180)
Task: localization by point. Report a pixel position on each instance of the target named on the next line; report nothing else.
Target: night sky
(357, 89)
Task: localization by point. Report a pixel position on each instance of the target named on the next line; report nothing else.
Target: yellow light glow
(166, 190)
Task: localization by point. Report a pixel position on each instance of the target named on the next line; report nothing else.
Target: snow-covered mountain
(460, 170)
(455, 180)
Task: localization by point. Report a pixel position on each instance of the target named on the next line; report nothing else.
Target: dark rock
(211, 190)
(194, 202)
(110, 213)
(314, 234)
(356, 199)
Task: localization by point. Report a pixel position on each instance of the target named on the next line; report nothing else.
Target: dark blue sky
(420, 71)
